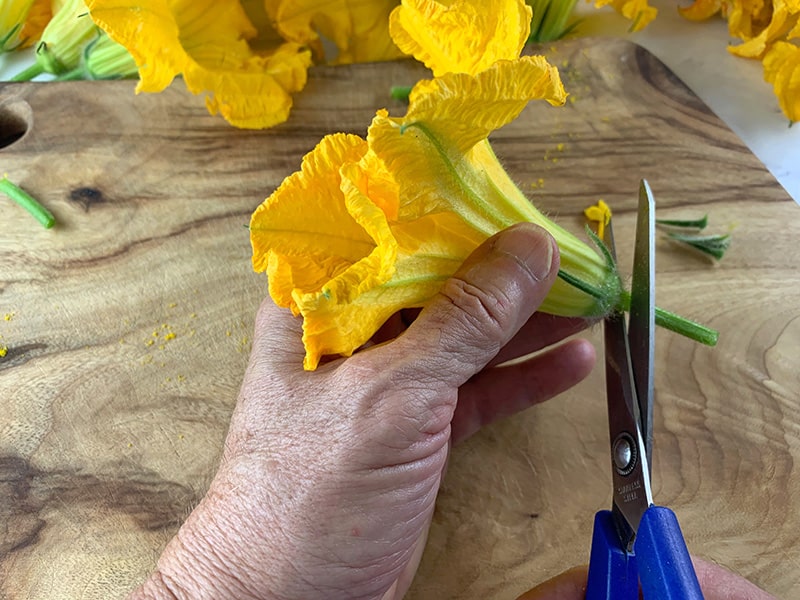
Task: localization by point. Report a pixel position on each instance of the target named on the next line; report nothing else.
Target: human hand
(716, 582)
(328, 479)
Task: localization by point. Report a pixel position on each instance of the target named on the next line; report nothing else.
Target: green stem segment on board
(664, 318)
(28, 202)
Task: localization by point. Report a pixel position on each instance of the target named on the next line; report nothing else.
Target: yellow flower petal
(746, 18)
(307, 214)
(205, 42)
(325, 244)
(637, 11)
(358, 28)
(463, 36)
(464, 109)
(782, 70)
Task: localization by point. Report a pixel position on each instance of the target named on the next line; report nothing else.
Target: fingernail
(531, 245)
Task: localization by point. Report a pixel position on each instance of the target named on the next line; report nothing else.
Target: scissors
(636, 543)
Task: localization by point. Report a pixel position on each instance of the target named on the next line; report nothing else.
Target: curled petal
(746, 18)
(206, 42)
(307, 214)
(783, 17)
(462, 36)
(326, 245)
(782, 70)
(462, 109)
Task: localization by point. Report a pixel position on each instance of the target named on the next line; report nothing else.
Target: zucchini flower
(63, 40)
(370, 226)
(358, 30)
(103, 58)
(206, 43)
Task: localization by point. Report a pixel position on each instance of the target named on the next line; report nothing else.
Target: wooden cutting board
(128, 328)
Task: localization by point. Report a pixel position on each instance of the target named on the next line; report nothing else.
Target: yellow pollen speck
(149, 343)
(560, 147)
(9, 316)
(164, 326)
(228, 333)
(169, 336)
(172, 305)
(130, 445)
(193, 316)
(181, 378)
(180, 436)
(155, 334)
(3, 351)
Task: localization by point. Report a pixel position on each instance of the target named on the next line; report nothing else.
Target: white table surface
(733, 87)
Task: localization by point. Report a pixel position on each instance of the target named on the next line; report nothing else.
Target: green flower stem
(664, 318)
(400, 92)
(34, 70)
(76, 74)
(28, 202)
(669, 320)
(549, 21)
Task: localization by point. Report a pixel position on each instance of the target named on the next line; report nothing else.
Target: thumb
(484, 304)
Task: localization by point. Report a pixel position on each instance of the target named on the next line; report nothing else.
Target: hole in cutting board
(16, 118)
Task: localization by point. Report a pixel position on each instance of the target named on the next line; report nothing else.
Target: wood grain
(110, 427)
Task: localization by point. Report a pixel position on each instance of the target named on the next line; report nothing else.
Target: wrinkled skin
(328, 479)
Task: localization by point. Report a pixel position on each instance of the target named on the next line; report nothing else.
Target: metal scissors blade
(636, 542)
(630, 472)
(641, 326)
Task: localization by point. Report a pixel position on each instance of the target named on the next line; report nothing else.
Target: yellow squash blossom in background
(205, 42)
(782, 70)
(368, 227)
(358, 28)
(768, 30)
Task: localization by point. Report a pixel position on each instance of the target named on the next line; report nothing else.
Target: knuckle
(487, 311)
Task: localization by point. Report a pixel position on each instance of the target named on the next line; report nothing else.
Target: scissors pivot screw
(624, 454)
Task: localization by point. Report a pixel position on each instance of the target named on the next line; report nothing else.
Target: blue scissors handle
(660, 561)
(665, 568)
